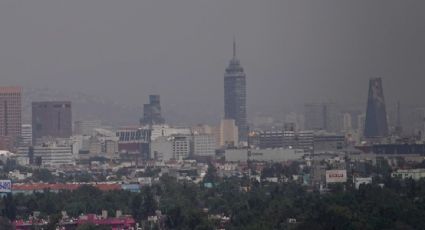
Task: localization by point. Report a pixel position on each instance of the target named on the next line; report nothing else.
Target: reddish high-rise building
(10, 116)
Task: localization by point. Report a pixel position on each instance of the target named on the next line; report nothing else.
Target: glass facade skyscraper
(235, 95)
(376, 114)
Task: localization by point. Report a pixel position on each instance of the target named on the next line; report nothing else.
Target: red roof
(124, 221)
(43, 186)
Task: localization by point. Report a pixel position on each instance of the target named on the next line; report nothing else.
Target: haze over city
(292, 51)
(206, 115)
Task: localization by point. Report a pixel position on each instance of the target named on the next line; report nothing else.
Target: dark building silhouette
(235, 95)
(322, 116)
(376, 116)
(51, 119)
(152, 112)
(10, 116)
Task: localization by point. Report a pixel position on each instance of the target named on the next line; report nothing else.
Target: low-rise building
(273, 155)
(414, 174)
(54, 153)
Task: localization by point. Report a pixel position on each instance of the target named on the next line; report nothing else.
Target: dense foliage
(249, 204)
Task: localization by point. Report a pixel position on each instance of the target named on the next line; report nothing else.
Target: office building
(322, 116)
(134, 140)
(328, 142)
(181, 147)
(235, 95)
(162, 149)
(266, 155)
(267, 139)
(10, 116)
(283, 139)
(164, 130)
(204, 145)
(26, 135)
(54, 153)
(228, 133)
(376, 125)
(87, 127)
(51, 119)
(347, 121)
(152, 112)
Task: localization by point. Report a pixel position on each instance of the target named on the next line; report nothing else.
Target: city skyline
(293, 52)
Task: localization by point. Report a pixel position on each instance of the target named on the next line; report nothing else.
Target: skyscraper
(152, 112)
(376, 116)
(10, 116)
(51, 119)
(235, 95)
(322, 116)
(315, 116)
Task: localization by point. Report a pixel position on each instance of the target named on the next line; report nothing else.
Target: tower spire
(234, 47)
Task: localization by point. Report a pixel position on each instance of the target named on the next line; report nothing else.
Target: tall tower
(376, 116)
(152, 112)
(10, 116)
(235, 95)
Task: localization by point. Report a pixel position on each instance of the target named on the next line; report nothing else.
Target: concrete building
(111, 147)
(26, 135)
(347, 121)
(414, 174)
(267, 139)
(235, 95)
(86, 127)
(269, 155)
(10, 116)
(228, 133)
(162, 149)
(164, 130)
(181, 147)
(204, 145)
(202, 129)
(51, 119)
(95, 146)
(283, 139)
(328, 142)
(54, 154)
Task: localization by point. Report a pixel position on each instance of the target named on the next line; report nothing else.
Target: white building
(361, 180)
(26, 135)
(54, 154)
(414, 174)
(181, 147)
(204, 145)
(111, 147)
(162, 148)
(165, 130)
(273, 155)
(86, 127)
(346, 121)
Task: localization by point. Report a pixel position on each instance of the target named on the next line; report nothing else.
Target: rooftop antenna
(234, 46)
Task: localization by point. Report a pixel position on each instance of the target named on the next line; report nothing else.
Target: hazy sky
(292, 51)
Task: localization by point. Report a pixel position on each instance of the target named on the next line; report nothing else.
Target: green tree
(9, 209)
(5, 224)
